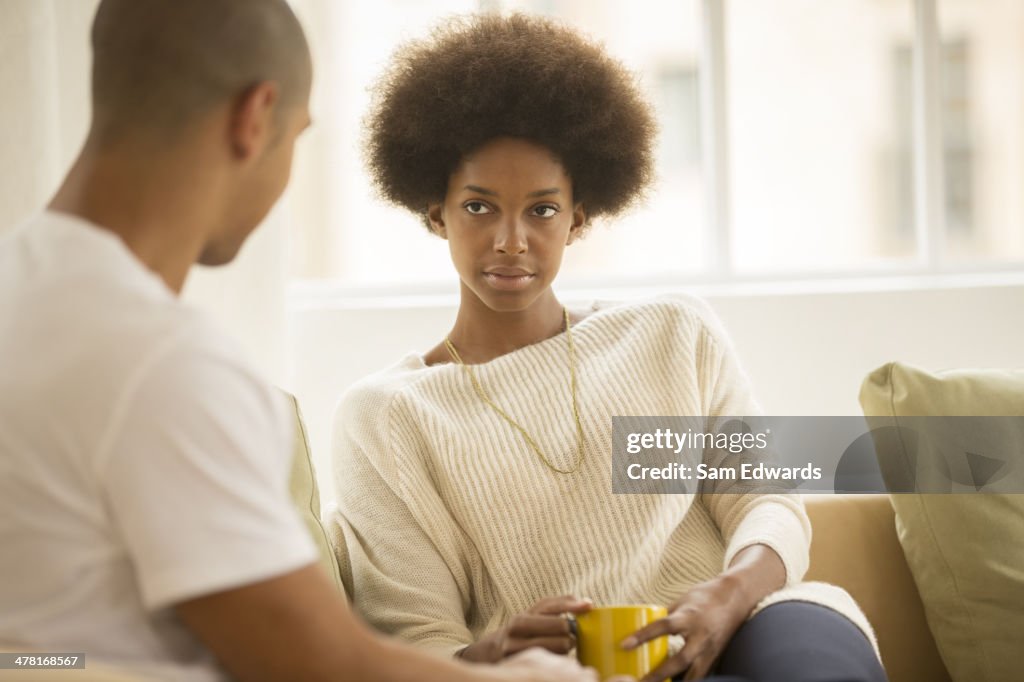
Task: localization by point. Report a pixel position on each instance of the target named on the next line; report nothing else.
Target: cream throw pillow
(965, 551)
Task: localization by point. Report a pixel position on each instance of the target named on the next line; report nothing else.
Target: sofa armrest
(855, 547)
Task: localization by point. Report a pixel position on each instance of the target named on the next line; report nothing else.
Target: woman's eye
(477, 207)
(545, 211)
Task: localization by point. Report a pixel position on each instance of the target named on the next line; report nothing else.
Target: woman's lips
(509, 280)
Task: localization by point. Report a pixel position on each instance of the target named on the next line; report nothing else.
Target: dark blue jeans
(798, 642)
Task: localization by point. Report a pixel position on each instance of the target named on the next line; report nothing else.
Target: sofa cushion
(306, 496)
(965, 551)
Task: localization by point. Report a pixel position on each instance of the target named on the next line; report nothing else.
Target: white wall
(44, 106)
(45, 63)
(806, 352)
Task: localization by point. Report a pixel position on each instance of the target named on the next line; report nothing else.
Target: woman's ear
(435, 216)
(579, 221)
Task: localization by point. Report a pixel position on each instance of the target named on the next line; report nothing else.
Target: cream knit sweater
(452, 524)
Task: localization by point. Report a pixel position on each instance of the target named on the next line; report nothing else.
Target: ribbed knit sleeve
(753, 517)
(415, 589)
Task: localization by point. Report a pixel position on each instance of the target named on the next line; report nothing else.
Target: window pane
(661, 41)
(983, 128)
(345, 232)
(820, 142)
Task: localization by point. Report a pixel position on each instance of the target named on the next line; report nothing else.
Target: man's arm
(288, 627)
(297, 627)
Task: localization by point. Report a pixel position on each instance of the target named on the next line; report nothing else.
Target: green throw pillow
(965, 550)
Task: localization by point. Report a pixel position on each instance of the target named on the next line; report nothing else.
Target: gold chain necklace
(529, 439)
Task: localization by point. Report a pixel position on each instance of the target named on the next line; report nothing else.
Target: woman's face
(508, 216)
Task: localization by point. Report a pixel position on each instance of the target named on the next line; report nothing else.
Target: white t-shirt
(142, 463)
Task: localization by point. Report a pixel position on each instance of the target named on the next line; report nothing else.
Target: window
(660, 41)
(799, 137)
(810, 125)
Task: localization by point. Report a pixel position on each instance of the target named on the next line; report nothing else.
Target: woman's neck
(481, 334)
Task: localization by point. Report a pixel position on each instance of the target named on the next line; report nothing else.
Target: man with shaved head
(144, 513)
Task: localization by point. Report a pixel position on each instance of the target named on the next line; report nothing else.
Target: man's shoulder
(193, 383)
(185, 358)
(141, 336)
(63, 277)
(84, 326)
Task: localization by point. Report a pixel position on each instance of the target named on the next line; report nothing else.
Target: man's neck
(161, 206)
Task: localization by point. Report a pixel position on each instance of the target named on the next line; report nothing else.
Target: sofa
(858, 543)
(855, 546)
(939, 576)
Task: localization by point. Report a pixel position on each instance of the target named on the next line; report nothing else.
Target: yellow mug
(599, 636)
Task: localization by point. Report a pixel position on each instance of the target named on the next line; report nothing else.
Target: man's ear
(579, 221)
(435, 216)
(253, 122)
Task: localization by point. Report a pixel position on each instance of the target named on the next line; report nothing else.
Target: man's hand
(544, 625)
(296, 627)
(537, 665)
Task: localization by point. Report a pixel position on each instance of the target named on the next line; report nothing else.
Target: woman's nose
(511, 238)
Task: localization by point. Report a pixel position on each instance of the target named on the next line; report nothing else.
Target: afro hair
(486, 76)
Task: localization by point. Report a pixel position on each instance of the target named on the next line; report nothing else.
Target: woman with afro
(474, 481)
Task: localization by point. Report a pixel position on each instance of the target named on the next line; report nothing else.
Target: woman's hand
(706, 617)
(544, 625)
(709, 614)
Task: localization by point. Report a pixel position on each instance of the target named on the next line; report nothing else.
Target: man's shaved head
(158, 65)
